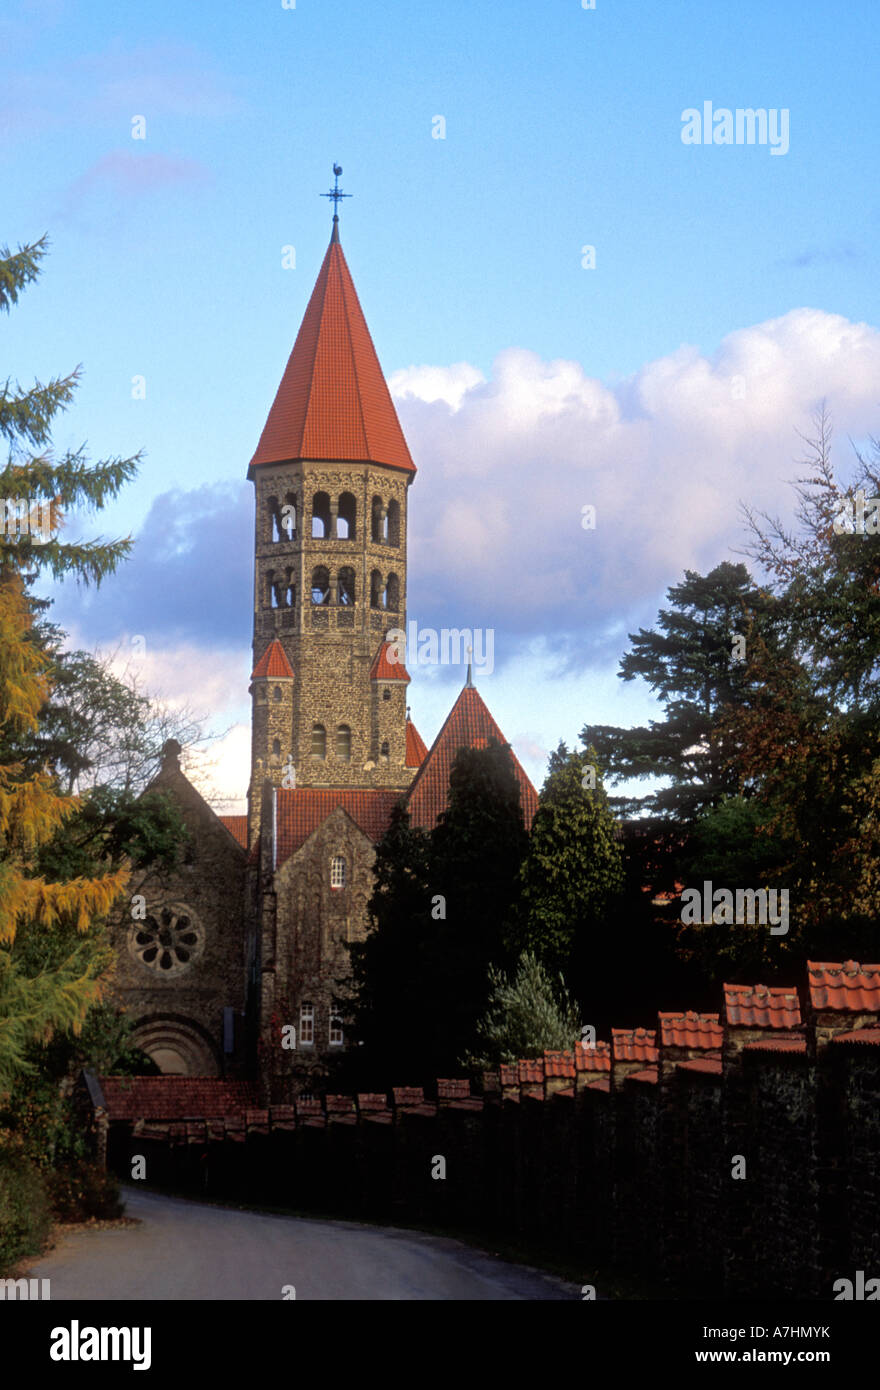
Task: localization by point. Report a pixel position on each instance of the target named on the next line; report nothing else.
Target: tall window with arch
(320, 585)
(393, 523)
(392, 593)
(343, 743)
(346, 586)
(346, 517)
(376, 593)
(377, 528)
(319, 741)
(320, 515)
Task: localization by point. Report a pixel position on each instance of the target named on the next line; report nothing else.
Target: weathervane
(335, 192)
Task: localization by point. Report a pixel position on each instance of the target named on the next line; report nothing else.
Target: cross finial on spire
(336, 193)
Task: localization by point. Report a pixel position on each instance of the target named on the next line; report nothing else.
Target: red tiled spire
(416, 749)
(333, 402)
(468, 725)
(273, 664)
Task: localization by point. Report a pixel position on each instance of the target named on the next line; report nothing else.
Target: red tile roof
(690, 1030)
(711, 1066)
(238, 827)
(301, 810)
(176, 1097)
(634, 1045)
(869, 1036)
(850, 986)
(756, 1006)
(273, 664)
(416, 749)
(648, 1074)
(384, 667)
(797, 1045)
(333, 402)
(468, 725)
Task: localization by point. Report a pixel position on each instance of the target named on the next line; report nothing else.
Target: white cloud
(506, 465)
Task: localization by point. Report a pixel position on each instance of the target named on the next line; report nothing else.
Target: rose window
(169, 940)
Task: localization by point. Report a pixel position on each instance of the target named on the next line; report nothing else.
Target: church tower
(332, 472)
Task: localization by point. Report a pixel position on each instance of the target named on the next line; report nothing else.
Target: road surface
(185, 1250)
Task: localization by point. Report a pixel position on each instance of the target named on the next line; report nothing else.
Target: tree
(526, 1014)
(37, 1001)
(693, 662)
(440, 917)
(573, 870)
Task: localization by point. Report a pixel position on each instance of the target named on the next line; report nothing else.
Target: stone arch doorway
(178, 1046)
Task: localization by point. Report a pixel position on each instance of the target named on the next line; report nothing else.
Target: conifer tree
(38, 487)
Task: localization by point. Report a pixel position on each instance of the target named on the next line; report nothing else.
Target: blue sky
(733, 289)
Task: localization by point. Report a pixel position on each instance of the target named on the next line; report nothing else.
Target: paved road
(186, 1250)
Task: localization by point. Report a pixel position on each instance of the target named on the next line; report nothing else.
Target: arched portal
(178, 1046)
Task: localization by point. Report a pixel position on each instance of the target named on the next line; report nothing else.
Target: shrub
(24, 1208)
(83, 1190)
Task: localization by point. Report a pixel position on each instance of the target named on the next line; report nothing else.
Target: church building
(247, 937)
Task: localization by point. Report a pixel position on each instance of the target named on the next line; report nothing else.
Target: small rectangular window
(337, 872)
(335, 1027)
(307, 1025)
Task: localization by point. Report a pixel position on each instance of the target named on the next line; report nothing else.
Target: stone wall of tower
(331, 645)
(271, 725)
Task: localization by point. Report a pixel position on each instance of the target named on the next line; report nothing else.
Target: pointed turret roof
(468, 725)
(273, 664)
(386, 665)
(416, 748)
(333, 402)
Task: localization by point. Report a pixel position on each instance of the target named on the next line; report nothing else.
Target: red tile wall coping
(408, 1095)
(531, 1070)
(690, 1030)
(868, 1037)
(756, 1006)
(710, 1066)
(509, 1074)
(339, 1105)
(634, 1045)
(848, 986)
(372, 1100)
(796, 1046)
(597, 1058)
(453, 1089)
(559, 1064)
(175, 1097)
(647, 1074)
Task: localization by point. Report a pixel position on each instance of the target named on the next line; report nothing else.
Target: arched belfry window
(394, 523)
(375, 589)
(343, 743)
(346, 586)
(376, 521)
(392, 593)
(319, 741)
(276, 693)
(346, 516)
(274, 510)
(288, 517)
(320, 585)
(320, 515)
